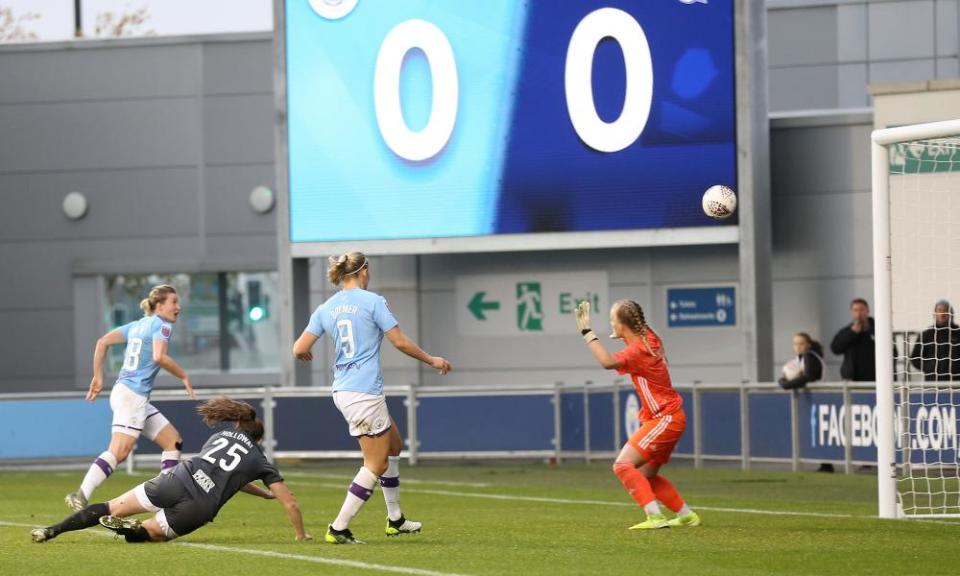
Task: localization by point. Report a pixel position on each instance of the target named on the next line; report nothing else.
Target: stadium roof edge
(99, 43)
(818, 118)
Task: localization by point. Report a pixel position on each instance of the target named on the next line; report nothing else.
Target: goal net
(916, 179)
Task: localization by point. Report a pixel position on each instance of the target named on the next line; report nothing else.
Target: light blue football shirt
(139, 369)
(355, 320)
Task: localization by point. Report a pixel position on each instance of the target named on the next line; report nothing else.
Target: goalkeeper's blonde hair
(630, 314)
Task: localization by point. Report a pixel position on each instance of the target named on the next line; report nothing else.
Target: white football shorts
(365, 413)
(134, 415)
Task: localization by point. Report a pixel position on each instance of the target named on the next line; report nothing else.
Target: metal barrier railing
(412, 395)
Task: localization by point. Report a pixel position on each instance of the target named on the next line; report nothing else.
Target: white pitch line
(317, 560)
(545, 500)
(405, 480)
(280, 555)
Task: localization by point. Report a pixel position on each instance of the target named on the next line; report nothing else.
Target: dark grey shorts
(183, 513)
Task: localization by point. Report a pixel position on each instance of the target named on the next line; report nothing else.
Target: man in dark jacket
(856, 343)
(937, 352)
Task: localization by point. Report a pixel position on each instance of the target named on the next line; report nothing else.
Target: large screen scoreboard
(430, 125)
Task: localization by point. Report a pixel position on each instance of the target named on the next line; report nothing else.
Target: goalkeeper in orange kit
(662, 417)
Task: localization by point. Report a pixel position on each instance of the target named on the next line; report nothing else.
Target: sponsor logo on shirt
(204, 481)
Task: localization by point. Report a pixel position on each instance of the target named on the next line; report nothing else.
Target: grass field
(504, 519)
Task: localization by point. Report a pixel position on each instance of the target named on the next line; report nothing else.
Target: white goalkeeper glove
(583, 322)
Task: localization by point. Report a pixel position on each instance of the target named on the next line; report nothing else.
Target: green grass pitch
(503, 519)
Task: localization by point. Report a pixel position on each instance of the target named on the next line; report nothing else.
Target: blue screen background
(514, 163)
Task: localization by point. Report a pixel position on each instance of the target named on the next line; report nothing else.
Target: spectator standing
(937, 352)
(856, 343)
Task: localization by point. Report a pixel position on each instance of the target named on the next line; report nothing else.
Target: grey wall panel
(104, 73)
(948, 68)
(901, 30)
(880, 40)
(694, 264)
(136, 255)
(33, 342)
(242, 252)
(902, 71)
(98, 135)
(826, 159)
(401, 376)
(320, 366)
(809, 230)
(35, 275)
(238, 68)
(851, 33)
(948, 28)
(403, 304)
(802, 36)
(39, 384)
(148, 203)
(238, 129)
(798, 304)
(227, 208)
(439, 272)
(623, 266)
(87, 324)
(803, 88)
(392, 272)
(852, 86)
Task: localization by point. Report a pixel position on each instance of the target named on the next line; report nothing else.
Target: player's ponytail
(348, 264)
(630, 313)
(243, 416)
(158, 294)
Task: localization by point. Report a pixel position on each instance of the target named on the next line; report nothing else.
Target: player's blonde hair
(347, 264)
(630, 313)
(158, 294)
(243, 416)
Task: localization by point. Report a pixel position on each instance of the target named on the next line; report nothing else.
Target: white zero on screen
(429, 141)
(578, 80)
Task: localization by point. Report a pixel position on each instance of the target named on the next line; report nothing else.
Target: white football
(719, 202)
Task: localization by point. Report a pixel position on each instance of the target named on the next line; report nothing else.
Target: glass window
(253, 327)
(227, 322)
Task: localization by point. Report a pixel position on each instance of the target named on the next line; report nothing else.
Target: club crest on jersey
(165, 330)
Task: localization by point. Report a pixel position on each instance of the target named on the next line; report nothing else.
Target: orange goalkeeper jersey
(650, 377)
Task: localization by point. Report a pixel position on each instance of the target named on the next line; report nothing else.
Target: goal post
(911, 482)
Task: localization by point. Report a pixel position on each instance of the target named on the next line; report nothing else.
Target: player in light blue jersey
(356, 321)
(147, 341)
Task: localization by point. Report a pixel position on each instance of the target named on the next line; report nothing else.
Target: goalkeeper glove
(583, 322)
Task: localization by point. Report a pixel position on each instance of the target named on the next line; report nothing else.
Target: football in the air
(719, 202)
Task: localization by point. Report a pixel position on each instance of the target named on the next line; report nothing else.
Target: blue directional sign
(701, 307)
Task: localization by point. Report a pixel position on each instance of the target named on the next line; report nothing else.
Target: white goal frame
(882, 278)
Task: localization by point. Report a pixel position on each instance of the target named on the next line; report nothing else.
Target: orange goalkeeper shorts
(657, 437)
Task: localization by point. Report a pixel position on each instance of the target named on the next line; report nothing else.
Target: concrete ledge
(914, 87)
